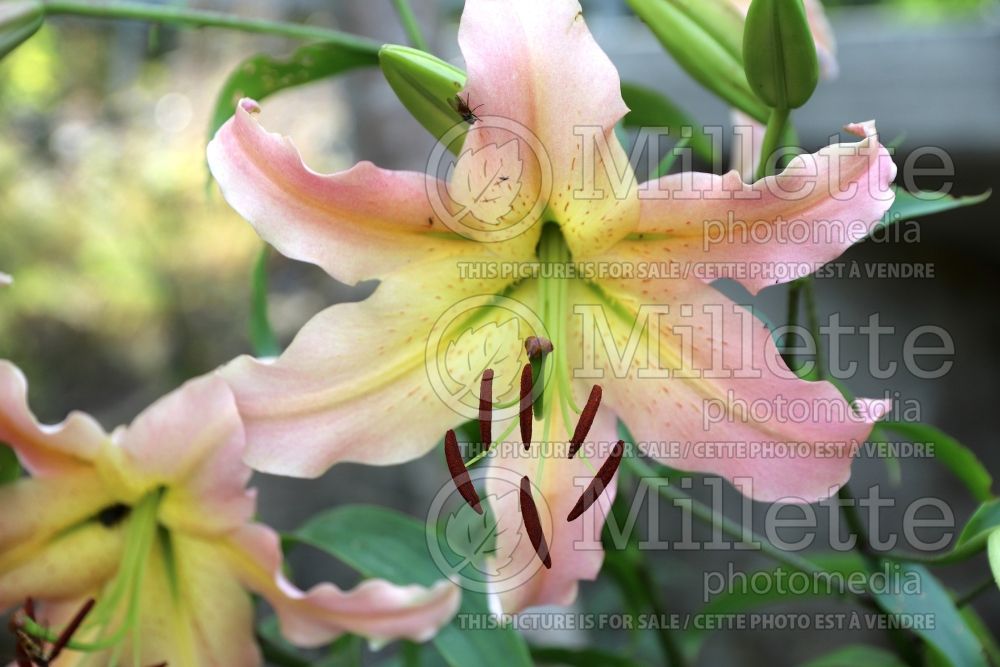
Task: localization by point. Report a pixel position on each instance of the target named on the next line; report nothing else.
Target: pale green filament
(123, 594)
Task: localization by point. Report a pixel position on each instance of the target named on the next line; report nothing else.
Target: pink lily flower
(155, 522)
(362, 381)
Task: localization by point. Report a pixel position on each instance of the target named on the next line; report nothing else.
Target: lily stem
(772, 142)
(195, 18)
(987, 584)
(410, 25)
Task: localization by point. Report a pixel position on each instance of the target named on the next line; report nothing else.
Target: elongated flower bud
(428, 87)
(689, 31)
(19, 19)
(779, 53)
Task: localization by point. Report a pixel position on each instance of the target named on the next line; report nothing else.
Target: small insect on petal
(599, 483)
(459, 473)
(529, 516)
(525, 416)
(486, 409)
(70, 630)
(586, 420)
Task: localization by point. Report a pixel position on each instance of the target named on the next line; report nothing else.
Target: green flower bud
(19, 19)
(427, 86)
(779, 53)
(702, 37)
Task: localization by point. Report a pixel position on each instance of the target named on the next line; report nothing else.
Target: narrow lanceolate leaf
(909, 205)
(427, 86)
(930, 610)
(779, 53)
(859, 655)
(19, 19)
(263, 75)
(649, 108)
(382, 543)
(958, 458)
(697, 50)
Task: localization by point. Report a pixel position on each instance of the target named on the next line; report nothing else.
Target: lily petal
(70, 565)
(358, 224)
(536, 64)
(778, 229)
(44, 450)
(728, 396)
(191, 442)
(558, 482)
(375, 609)
(356, 383)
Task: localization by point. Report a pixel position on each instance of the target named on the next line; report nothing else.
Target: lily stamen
(529, 516)
(600, 482)
(586, 420)
(486, 408)
(525, 415)
(459, 473)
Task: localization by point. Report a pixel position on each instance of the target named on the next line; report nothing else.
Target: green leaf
(19, 20)
(979, 526)
(386, 544)
(580, 657)
(427, 86)
(958, 458)
(779, 53)
(346, 651)
(10, 467)
(648, 108)
(262, 338)
(262, 75)
(909, 206)
(945, 630)
(859, 655)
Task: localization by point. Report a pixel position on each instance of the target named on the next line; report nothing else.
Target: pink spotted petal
(358, 224)
(778, 229)
(537, 65)
(728, 397)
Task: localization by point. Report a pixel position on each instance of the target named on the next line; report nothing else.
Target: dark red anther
(586, 420)
(536, 347)
(486, 409)
(599, 483)
(21, 657)
(459, 473)
(525, 416)
(529, 515)
(29, 609)
(70, 630)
